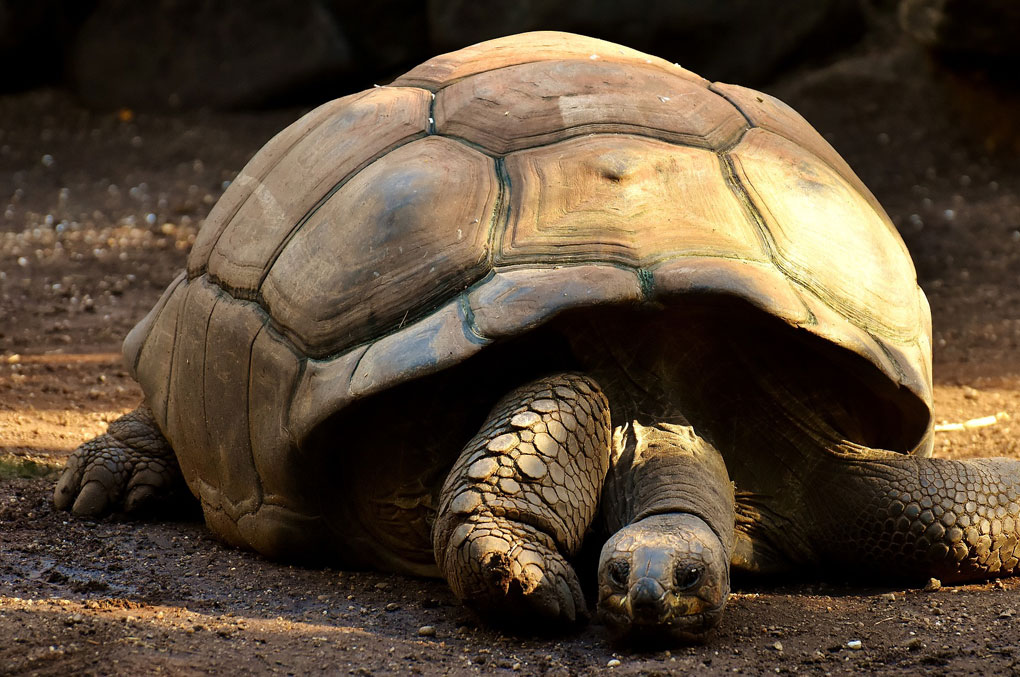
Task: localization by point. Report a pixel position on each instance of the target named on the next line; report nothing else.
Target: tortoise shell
(396, 232)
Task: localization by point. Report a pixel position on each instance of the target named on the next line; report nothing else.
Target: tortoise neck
(667, 469)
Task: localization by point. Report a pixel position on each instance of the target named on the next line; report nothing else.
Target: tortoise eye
(619, 572)
(687, 576)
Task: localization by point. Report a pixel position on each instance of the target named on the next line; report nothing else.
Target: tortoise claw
(93, 500)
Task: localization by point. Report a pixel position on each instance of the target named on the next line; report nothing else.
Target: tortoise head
(663, 577)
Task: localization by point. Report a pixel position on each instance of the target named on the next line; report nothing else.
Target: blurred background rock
(219, 54)
(987, 30)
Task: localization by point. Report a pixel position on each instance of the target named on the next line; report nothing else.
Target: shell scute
(263, 163)
(769, 113)
(544, 102)
(527, 48)
(813, 215)
(626, 199)
(150, 347)
(352, 134)
(406, 233)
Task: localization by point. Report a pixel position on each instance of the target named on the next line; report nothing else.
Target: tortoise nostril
(646, 594)
(639, 603)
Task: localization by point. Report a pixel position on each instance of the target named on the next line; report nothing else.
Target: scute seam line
(302, 361)
(636, 134)
(731, 102)
(169, 290)
(743, 196)
(500, 219)
(531, 258)
(468, 317)
(173, 360)
(259, 179)
(260, 492)
(205, 370)
(268, 266)
(430, 123)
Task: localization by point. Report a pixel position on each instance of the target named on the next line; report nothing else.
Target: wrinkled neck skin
(664, 572)
(664, 469)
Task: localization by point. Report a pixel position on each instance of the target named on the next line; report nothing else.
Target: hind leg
(131, 468)
(519, 499)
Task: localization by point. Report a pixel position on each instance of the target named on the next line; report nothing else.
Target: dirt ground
(99, 211)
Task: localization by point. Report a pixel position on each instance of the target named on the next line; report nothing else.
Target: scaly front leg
(519, 499)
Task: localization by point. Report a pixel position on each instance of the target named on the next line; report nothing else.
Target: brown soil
(81, 261)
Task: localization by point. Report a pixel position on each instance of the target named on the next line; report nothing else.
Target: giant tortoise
(541, 289)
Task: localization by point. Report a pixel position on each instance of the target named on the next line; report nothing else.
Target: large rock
(744, 41)
(205, 53)
(977, 27)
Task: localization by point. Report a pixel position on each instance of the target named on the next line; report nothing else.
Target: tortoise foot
(519, 499)
(130, 469)
(512, 572)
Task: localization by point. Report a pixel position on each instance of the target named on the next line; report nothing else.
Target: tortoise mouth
(690, 628)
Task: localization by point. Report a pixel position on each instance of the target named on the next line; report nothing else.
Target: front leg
(519, 499)
(131, 468)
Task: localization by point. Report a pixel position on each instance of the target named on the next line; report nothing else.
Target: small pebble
(427, 631)
(392, 606)
(889, 596)
(932, 585)
(613, 663)
(854, 644)
(778, 646)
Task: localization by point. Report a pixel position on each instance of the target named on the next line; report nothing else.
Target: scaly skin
(519, 499)
(903, 516)
(131, 467)
(884, 515)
